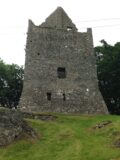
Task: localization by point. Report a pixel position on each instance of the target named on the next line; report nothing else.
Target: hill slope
(69, 137)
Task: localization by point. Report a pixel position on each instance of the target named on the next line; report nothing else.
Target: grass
(69, 137)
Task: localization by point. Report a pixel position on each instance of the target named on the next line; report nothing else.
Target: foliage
(11, 82)
(68, 138)
(108, 69)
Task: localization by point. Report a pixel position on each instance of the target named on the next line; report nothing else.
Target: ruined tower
(60, 71)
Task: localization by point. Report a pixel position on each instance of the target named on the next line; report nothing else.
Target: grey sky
(14, 15)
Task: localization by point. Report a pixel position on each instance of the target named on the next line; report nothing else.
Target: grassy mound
(69, 137)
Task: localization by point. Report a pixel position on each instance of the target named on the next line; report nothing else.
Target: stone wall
(53, 49)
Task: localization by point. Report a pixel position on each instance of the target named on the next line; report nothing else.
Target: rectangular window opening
(49, 96)
(69, 28)
(61, 72)
(64, 97)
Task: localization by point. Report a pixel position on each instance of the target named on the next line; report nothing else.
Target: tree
(11, 83)
(108, 70)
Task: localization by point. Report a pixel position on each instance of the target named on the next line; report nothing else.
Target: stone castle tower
(60, 72)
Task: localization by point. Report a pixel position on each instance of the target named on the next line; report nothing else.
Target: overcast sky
(102, 15)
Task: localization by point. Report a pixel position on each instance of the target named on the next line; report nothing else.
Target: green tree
(108, 70)
(11, 83)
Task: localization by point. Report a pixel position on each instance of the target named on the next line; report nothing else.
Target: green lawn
(68, 138)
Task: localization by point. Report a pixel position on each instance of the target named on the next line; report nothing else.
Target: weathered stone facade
(60, 71)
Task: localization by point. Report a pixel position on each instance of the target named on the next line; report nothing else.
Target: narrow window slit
(49, 96)
(64, 97)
